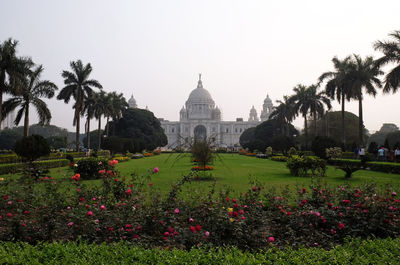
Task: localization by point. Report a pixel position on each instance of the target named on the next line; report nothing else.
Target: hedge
(387, 167)
(45, 164)
(356, 251)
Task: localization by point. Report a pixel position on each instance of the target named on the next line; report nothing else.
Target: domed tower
(216, 114)
(267, 109)
(253, 115)
(183, 114)
(200, 103)
(132, 103)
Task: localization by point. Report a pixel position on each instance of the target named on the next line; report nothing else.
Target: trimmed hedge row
(14, 158)
(45, 164)
(386, 167)
(386, 251)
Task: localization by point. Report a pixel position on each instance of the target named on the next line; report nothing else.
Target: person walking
(361, 153)
(381, 154)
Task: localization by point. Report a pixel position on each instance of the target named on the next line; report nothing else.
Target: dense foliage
(88, 168)
(377, 251)
(303, 166)
(268, 133)
(141, 126)
(118, 144)
(32, 147)
(321, 143)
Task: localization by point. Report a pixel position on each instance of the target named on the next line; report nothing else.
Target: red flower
(341, 225)
(9, 215)
(90, 213)
(198, 227)
(113, 162)
(103, 171)
(129, 192)
(271, 239)
(156, 169)
(76, 177)
(192, 229)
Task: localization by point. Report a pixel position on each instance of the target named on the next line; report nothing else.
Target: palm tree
(118, 104)
(363, 74)
(391, 51)
(100, 108)
(78, 86)
(284, 113)
(31, 91)
(12, 70)
(89, 110)
(337, 86)
(317, 103)
(301, 104)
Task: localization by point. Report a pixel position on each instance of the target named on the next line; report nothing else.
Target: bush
(386, 167)
(356, 251)
(302, 166)
(333, 152)
(268, 151)
(279, 158)
(118, 145)
(292, 151)
(89, 168)
(32, 147)
(320, 144)
(19, 167)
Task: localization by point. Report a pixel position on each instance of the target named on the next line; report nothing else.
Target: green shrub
(333, 152)
(320, 144)
(45, 164)
(348, 155)
(279, 158)
(88, 168)
(292, 151)
(387, 167)
(301, 166)
(32, 147)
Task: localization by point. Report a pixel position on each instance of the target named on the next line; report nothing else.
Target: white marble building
(200, 118)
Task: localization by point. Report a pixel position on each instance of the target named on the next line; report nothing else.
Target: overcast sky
(244, 49)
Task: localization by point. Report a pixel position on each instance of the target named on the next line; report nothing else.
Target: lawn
(231, 170)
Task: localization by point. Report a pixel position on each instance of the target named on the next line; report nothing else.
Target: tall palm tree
(32, 89)
(363, 74)
(89, 110)
(118, 104)
(391, 51)
(302, 105)
(100, 108)
(284, 113)
(317, 102)
(78, 86)
(337, 85)
(12, 70)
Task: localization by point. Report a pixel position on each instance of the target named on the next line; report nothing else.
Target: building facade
(200, 118)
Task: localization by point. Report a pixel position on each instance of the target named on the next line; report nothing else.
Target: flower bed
(279, 158)
(148, 154)
(132, 210)
(202, 168)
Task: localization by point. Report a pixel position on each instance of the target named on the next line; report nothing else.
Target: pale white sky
(244, 49)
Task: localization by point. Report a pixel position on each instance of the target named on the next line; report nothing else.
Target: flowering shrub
(121, 158)
(148, 154)
(333, 152)
(88, 168)
(132, 210)
(251, 154)
(242, 152)
(157, 152)
(302, 166)
(279, 158)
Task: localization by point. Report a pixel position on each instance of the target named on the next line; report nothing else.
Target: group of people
(382, 154)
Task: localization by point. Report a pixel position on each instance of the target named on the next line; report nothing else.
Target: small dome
(268, 100)
(132, 103)
(183, 109)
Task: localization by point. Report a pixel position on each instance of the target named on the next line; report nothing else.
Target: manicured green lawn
(230, 170)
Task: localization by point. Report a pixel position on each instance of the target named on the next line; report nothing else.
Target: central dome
(200, 95)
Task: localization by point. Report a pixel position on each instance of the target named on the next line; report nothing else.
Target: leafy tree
(100, 109)
(391, 51)
(284, 113)
(118, 105)
(373, 148)
(363, 74)
(31, 92)
(337, 85)
(247, 137)
(142, 127)
(12, 70)
(118, 144)
(8, 138)
(282, 143)
(94, 139)
(57, 142)
(32, 147)
(321, 143)
(393, 138)
(79, 87)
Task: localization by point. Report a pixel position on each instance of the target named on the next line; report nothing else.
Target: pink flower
(69, 208)
(9, 203)
(90, 213)
(97, 221)
(102, 207)
(103, 171)
(150, 184)
(207, 233)
(191, 220)
(176, 211)
(113, 162)
(271, 239)
(129, 192)
(166, 233)
(156, 169)
(70, 224)
(394, 193)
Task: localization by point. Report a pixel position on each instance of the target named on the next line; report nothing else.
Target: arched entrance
(200, 132)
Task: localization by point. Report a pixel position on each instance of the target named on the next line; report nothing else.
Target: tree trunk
(99, 134)
(107, 126)
(1, 106)
(306, 130)
(88, 133)
(360, 121)
(26, 121)
(315, 124)
(343, 131)
(78, 119)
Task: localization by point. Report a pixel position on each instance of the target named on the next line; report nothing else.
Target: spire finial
(199, 76)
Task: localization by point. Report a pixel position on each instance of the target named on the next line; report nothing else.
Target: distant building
(132, 103)
(200, 118)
